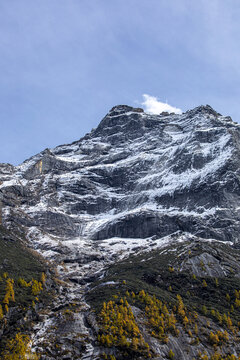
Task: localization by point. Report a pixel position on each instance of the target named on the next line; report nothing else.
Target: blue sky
(65, 63)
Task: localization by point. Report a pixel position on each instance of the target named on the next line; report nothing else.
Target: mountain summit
(135, 176)
(137, 199)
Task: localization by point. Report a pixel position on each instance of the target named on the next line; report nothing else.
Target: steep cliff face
(134, 176)
(128, 187)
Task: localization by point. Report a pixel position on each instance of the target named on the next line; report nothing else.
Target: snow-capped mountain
(136, 183)
(135, 176)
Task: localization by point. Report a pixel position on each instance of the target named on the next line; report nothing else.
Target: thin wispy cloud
(153, 105)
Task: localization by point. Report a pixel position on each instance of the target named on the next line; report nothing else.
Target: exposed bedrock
(135, 175)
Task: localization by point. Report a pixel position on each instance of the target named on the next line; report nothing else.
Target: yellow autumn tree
(119, 328)
(9, 295)
(36, 287)
(1, 312)
(181, 307)
(228, 297)
(43, 278)
(23, 283)
(18, 348)
(229, 322)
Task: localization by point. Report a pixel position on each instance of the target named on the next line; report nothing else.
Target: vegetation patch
(172, 301)
(24, 290)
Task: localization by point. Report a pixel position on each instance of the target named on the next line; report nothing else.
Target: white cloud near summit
(153, 106)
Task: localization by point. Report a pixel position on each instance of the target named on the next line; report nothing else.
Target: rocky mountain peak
(120, 118)
(204, 110)
(161, 193)
(122, 109)
(136, 175)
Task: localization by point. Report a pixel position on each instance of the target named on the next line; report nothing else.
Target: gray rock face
(135, 175)
(135, 183)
